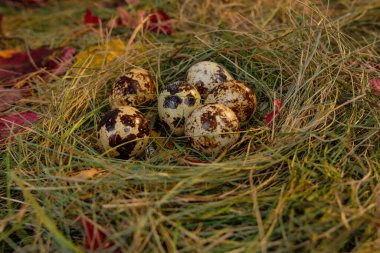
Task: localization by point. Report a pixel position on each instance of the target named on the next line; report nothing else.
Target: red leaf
(63, 62)
(11, 96)
(269, 117)
(94, 238)
(375, 85)
(18, 64)
(159, 22)
(372, 65)
(90, 19)
(22, 63)
(15, 123)
(277, 106)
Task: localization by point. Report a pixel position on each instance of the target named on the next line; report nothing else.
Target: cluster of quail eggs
(208, 107)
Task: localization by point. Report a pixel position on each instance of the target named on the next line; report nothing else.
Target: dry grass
(309, 182)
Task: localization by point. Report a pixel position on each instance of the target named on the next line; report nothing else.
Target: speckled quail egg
(235, 95)
(175, 103)
(123, 132)
(212, 128)
(136, 87)
(205, 75)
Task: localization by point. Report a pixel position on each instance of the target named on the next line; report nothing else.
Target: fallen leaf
(126, 19)
(95, 239)
(86, 174)
(8, 53)
(20, 63)
(372, 65)
(277, 106)
(129, 20)
(90, 19)
(8, 97)
(14, 64)
(375, 85)
(269, 117)
(60, 64)
(115, 22)
(94, 57)
(15, 123)
(159, 22)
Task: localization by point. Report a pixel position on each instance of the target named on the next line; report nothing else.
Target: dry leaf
(159, 22)
(16, 64)
(375, 85)
(94, 57)
(275, 113)
(15, 123)
(95, 239)
(86, 174)
(8, 53)
(8, 97)
(126, 19)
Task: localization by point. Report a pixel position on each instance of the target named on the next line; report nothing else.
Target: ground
(305, 181)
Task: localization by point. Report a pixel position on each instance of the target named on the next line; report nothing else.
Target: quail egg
(134, 88)
(235, 95)
(205, 75)
(123, 132)
(175, 103)
(212, 128)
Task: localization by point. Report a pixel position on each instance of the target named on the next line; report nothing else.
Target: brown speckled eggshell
(175, 103)
(136, 87)
(212, 128)
(206, 75)
(123, 132)
(236, 96)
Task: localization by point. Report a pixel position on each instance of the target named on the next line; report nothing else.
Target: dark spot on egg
(209, 122)
(125, 146)
(220, 75)
(223, 87)
(201, 88)
(128, 120)
(172, 102)
(127, 85)
(174, 88)
(189, 100)
(209, 144)
(227, 122)
(114, 140)
(109, 120)
(126, 149)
